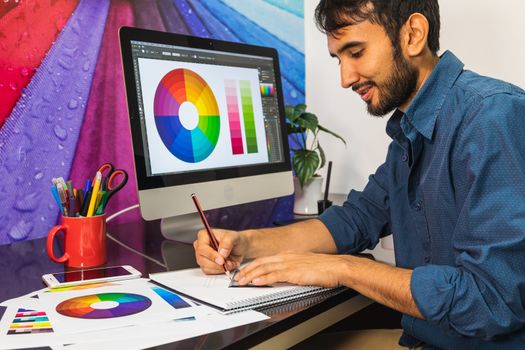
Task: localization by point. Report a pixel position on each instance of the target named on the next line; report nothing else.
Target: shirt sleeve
(483, 295)
(363, 218)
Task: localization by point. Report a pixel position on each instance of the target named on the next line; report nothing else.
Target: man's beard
(398, 87)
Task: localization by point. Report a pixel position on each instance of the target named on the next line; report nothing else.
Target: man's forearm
(305, 236)
(383, 283)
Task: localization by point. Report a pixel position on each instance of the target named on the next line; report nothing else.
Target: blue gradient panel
(171, 298)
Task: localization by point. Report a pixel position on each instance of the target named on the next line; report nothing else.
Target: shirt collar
(424, 109)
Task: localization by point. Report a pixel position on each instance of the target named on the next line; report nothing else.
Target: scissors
(108, 181)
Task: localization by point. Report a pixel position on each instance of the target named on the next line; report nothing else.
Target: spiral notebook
(213, 290)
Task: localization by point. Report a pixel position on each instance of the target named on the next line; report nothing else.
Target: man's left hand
(297, 268)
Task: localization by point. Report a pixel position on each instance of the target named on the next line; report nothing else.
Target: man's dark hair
(332, 15)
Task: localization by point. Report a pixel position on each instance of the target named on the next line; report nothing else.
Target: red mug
(84, 241)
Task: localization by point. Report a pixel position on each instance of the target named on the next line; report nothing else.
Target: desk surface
(22, 265)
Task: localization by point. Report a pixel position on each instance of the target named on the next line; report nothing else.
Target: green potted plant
(308, 156)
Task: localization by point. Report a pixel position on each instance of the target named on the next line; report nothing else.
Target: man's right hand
(232, 248)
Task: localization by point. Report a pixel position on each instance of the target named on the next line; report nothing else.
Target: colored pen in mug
(94, 194)
(62, 196)
(54, 191)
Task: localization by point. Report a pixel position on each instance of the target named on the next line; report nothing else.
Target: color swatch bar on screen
(267, 90)
(248, 116)
(30, 322)
(233, 116)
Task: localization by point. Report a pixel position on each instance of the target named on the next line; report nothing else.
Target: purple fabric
(172, 18)
(192, 20)
(106, 136)
(38, 140)
(147, 15)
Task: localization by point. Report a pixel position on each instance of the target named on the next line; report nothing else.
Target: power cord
(111, 217)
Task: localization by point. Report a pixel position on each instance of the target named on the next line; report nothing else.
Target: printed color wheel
(177, 87)
(104, 305)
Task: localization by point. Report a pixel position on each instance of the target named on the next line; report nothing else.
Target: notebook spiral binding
(298, 304)
(277, 298)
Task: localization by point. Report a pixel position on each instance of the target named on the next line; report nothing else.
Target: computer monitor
(206, 117)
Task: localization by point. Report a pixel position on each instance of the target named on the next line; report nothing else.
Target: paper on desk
(131, 303)
(49, 332)
(29, 338)
(204, 320)
(146, 336)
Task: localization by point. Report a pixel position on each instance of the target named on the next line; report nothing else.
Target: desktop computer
(206, 117)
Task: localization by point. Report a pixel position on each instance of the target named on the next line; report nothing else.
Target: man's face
(373, 68)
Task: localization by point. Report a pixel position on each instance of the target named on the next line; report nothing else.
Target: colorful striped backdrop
(62, 102)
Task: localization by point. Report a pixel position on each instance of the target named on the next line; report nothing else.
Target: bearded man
(451, 190)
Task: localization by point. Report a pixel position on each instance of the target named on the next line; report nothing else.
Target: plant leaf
(305, 163)
(289, 112)
(322, 155)
(298, 110)
(322, 128)
(308, 121)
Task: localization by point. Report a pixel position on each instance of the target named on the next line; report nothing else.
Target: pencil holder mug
(84, 241)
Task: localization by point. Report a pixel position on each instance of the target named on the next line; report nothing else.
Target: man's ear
(414, 35)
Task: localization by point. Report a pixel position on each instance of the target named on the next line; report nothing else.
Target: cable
(111, 217)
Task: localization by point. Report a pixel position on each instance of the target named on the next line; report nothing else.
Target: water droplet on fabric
(73, 104)
(60, 132)
(24, 72)
(20, 231)
(13, 86)
(60, 146)
(39, 174)
(27, 203)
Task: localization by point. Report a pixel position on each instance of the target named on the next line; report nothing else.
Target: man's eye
(356, 54)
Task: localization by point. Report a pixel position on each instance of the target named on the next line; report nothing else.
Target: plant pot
(306, 198)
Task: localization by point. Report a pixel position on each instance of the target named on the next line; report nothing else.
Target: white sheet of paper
(201, 320)
(17, 341)
(146, 336)
(158, 311)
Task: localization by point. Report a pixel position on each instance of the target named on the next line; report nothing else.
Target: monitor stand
(181, 228)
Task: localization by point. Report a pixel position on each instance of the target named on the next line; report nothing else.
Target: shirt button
(418, 206)
(404, 157)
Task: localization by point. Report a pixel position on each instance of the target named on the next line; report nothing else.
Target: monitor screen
(204, 111)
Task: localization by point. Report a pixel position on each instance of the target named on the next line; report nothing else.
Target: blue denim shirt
(452, 194)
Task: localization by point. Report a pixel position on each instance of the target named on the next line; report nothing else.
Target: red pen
(214, 241)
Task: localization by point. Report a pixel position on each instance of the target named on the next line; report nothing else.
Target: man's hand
(297, 268)
(232, 247)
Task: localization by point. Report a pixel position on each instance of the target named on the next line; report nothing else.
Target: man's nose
(349, 75)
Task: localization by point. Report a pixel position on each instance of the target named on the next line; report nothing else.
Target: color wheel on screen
(104, 305)
(179, 89)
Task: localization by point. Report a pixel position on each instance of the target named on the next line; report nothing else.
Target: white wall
(486, 37)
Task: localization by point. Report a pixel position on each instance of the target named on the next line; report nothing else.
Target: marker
(57, 198)
(62, 196)
(94, 194)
